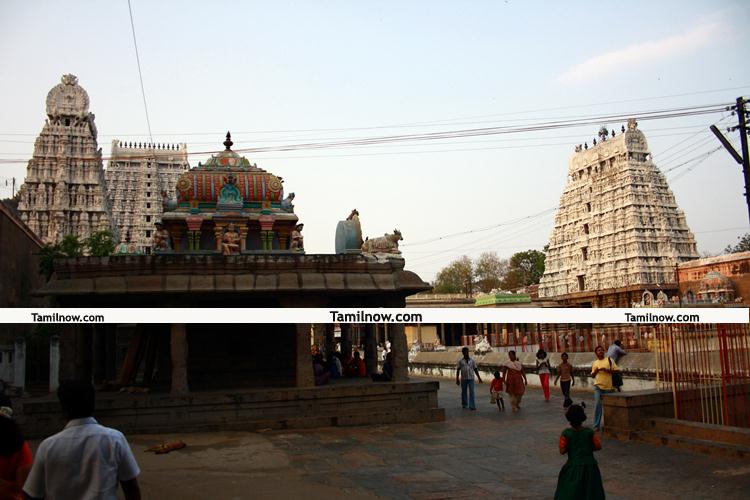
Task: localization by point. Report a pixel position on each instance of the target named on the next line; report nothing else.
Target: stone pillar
(179, 354)
(305, 376)
(399, 352)
(330, 344)
(194, 224)
(19, 364)
(176, 240)
(54, 363)
(371, 348)
(218, 234)
(98, 354)
(283, 233)
(242, 228)
(319, 334)
(346, 340)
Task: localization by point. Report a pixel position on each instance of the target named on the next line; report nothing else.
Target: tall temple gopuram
(137, 175)
(64, 191)
(618, 227)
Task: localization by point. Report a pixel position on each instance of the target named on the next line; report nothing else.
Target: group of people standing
(580, 476)
(512, 378)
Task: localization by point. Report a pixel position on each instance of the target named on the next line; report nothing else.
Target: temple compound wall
(716, 280)
(618, 226)
(138, 177)
(64, 190)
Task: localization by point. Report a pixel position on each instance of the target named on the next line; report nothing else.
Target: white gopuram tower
(618, 225)
(64, 191)
(138, 176)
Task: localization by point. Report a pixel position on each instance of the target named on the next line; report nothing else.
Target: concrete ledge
(356, 404)
(698, 430)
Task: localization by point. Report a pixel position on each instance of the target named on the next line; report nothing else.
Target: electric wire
(140, 73)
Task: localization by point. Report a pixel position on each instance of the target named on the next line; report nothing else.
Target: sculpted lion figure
(384, 244)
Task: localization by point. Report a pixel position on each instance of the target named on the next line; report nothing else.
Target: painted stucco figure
(384, 244)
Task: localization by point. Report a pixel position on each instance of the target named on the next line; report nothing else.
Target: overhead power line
(486, 131)
(140, 73)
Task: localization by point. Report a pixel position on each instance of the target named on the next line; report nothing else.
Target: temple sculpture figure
(349, 234)
(297, 243)
(387, 244)
(229, 206)
(230, 243)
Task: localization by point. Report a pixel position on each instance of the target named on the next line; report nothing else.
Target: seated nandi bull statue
(384, 244)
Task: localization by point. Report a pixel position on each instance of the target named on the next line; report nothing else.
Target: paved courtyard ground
(480, 454)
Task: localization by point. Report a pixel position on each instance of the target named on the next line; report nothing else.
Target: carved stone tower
(138, 178)
(618, 225)
(63, 192)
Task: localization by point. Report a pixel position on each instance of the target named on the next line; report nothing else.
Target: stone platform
(342, 403)
(481, 454)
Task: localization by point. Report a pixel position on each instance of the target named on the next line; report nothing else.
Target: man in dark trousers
(85, 460)
(467, 367)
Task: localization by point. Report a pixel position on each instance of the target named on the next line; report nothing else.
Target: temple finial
(228, 143)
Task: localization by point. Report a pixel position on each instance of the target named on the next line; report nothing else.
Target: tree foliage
(743, 245)
(524, 269)
(99, 244)
(489, 271)
(457, 277)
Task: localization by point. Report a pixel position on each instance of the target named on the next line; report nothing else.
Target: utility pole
(744, 158)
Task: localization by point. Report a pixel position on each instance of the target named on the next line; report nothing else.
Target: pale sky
(279, 73)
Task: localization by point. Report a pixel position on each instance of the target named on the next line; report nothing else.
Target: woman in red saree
(515, 380)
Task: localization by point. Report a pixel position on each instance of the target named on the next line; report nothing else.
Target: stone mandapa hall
(227, 237)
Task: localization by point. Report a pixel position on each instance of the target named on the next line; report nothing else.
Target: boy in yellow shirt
(601, 369)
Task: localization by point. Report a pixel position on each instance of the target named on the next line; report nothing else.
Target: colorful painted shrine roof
(228, 171)
(228, 159)
(197, 185)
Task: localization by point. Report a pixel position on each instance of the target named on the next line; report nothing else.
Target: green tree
(457, 277)
(524, 269)
(100, 244)
(742, 246)
(489, 271)
(70, 246)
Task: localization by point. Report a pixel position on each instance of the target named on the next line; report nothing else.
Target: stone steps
(713, 433)
(396, 416)
(705, 446)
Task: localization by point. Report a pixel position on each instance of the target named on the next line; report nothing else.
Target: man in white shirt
(85, 460)
(466, 369)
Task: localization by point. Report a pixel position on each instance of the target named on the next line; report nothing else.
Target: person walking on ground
(580, 477)
(615, 353)
(15, 454)
(496, 391)
(467, 367)
(565, 376)
(601, 369)
(85, 460)
(542, 369)
(515, 380)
